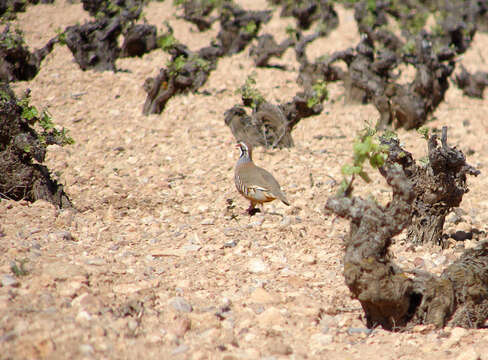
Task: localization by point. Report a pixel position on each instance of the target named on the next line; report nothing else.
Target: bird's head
(245, 150)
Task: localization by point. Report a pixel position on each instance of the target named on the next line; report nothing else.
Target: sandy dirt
(153, 263)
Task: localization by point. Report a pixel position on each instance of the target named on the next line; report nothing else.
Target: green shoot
(19, 270)
(251, 28)
(424, 132)
(249, 93)
(166, 42)
(32, 115)
(366, 148)
(320, 94)
(61, 36)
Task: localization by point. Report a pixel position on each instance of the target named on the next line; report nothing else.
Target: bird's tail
(283, 199)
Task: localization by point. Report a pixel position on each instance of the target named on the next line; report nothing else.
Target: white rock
(257, 265)
(468, 354)
(271, 317)
(262, 296)
(457, 334)
(86, 349)
(308, 259)
(320, 339)
(208, 221)
(180, 304)
(83, 316)
(9, 280)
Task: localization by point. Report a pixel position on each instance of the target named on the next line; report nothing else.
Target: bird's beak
(237, 146)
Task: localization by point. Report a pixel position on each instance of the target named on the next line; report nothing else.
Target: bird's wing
(273, 186)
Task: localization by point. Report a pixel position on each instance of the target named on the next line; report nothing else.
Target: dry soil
(155, 263)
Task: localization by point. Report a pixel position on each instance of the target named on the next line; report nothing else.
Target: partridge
(254, 183)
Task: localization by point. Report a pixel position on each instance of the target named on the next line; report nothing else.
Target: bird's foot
(253, 211)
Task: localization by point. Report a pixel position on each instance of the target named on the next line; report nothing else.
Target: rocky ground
(159, 260)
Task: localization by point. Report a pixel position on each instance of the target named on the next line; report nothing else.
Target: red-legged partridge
(254, 183)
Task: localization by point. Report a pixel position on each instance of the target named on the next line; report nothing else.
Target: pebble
(191, 247)
(423, 329)
(83, 316)
(180, 304)
(453, 218)
(225, 302)
(61, 235)
(230, 244)
(419, 263)
(86, 302)
(327, 321)
(9, 280)
(258, 222)
(207, 221)
(262, 296)
(181, 326)
(286, 221)
(183, 348)
(464, 226)
(439, 259)
(321, 339)
(353, 330)
(308, 259)
(230, 231)
(279, 348)
(97, 261)
(86, 349)
(132, 325)
(468, 354)
(62, 270)
(257, 265)
(457, 334)
(202, 208)
(271, 317)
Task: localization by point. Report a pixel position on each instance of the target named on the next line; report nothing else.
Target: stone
(286, 221)
(257, 265)
(457, 334)
(262, 296)
(468, 354)
(204, 321)
(62, 235)
(86, 302)
(86, 349)
(320, 339)
(63, 271)
(83, 316)
(464, 226)
(132, 325)
(44, 348)
(419, 263)
(211, 336)
(181, 326)
(183, 348)
(97, 261)
(202, 208)
(359, 331)
(70, 288)
(278, 347)
(131, 288)
(271, 317)
(9, 280)
(180, 304)
(423, 329)
(439, 259)
(308, 259)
